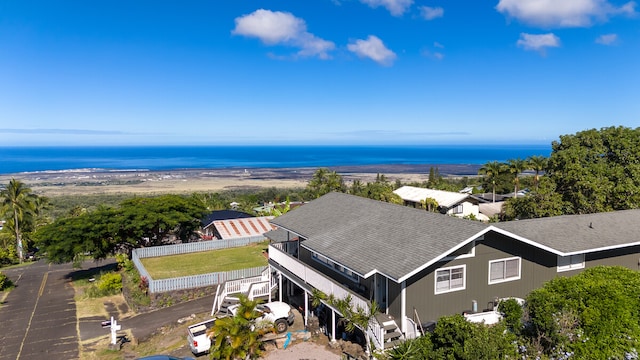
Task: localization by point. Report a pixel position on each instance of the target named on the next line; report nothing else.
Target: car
(277, 313)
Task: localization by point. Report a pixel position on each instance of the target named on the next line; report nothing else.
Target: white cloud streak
(430, 13)
(607, 39)
(563, 13)
(374, 49)
(282, 28)
(538, 42)
(395, 7)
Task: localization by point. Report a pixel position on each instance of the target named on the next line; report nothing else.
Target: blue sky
(315, 71)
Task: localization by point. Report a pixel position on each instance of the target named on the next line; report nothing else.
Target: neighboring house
(419, 265)
(449, 202)
(229, 224)
(491, 209)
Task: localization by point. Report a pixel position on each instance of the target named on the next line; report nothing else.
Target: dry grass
(166, 267)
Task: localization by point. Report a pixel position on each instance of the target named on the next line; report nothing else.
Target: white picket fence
(194, 281)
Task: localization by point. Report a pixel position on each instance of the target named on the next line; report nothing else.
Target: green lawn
(205, 262)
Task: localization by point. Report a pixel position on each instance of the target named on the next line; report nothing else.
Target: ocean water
(32, 159)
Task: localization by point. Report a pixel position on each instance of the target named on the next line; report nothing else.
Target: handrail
(315, 278)
(216, 300)
(258, 289)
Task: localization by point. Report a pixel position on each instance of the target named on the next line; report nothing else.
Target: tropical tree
(492, 170)
(17, 203)
(238, 337)
(543, 202)
(538, 164)
(597, 170)
(138, 222)
(325, 181)
(281, 209)
(356, 317)
(382, 190)
(430, 204)
(516, 166)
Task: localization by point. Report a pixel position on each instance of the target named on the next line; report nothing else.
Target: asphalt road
(39, 316)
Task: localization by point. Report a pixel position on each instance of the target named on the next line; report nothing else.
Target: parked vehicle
(277, 313)
(197, 337)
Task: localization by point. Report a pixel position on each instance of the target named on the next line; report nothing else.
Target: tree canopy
(597, 170)
(137, 222)
(593, 315)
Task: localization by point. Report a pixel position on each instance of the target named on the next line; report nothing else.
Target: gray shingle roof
(579, 233)
(366, 235)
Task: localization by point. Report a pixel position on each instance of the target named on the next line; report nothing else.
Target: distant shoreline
(443, 169)
(92, 181)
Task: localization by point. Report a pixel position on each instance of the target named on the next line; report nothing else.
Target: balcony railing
(315, 278)
(327, 285)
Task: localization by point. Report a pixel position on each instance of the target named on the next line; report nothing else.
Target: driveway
(38, 317)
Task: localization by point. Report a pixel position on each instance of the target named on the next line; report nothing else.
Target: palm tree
(516, 166)
(430, 204)
(17, 201)
(237, 337)
(324, 181)
(492, 170)
(537, 163)
(356, 318)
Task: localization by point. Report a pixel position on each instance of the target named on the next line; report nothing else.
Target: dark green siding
(537, 267)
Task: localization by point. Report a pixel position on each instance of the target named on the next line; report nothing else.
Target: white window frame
(335, 267)
(573, 265)
(505, 279)
(449, 269)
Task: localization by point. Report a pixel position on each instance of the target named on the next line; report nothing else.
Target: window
(571, 262)
(458, 209)
(338, 268)
(450, 279)
(504, 270)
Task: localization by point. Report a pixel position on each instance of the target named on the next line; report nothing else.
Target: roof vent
(590, 225)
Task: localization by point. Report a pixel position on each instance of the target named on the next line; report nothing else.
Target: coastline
(150, 182)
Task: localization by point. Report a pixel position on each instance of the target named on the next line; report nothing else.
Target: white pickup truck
(277, 313)
(199, 342)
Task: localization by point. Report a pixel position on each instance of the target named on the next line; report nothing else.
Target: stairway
(392, 336)
(226, 303)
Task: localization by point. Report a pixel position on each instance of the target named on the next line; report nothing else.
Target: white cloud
(438, 45)
(538, 42)
(430, 13)
(282, 28)
(433, 54)
(607, 39)
(374, 49)
(562, 13)
(395, 7)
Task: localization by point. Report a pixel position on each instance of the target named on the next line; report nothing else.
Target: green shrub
(5, 282)
(110, 283)
(124, 263)
(8, 256)
(512, 314)
(593, 314)
(107, 284)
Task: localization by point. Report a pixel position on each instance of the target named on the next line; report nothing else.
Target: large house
(419, 266)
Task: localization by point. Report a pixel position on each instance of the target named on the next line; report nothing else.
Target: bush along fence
(194, 281)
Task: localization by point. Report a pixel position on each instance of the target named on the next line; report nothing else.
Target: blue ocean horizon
(131, 158)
